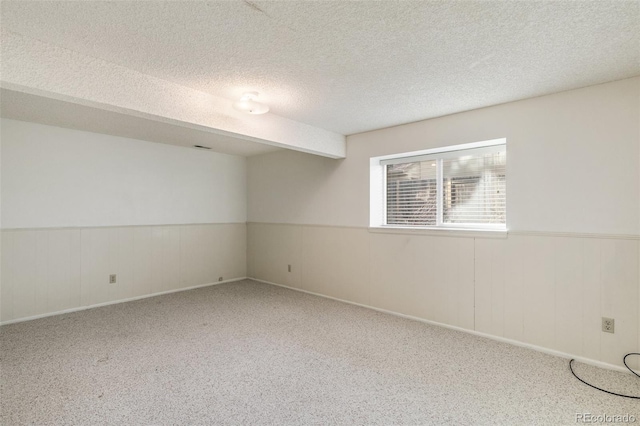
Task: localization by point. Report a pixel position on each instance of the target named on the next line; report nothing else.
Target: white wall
(572, 164)
(55, 177)
(571, 256)
(77, 207)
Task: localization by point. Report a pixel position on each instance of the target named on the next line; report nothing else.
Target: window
(462, 186)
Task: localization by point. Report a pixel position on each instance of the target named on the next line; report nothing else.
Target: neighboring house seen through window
(462, 186)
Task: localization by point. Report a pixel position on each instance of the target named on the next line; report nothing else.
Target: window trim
(439, 232)
(444, 155)
(378, 187)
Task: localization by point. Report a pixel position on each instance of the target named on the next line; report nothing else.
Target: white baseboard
(113, 302)
(542, 349)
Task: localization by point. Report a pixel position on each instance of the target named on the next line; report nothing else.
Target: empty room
(319, 212)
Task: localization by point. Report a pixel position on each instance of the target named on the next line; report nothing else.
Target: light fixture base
(248, 104)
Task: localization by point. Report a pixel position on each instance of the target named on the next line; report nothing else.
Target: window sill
(441, 232)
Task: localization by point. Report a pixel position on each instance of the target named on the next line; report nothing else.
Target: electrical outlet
(289, 268)
(608, 325)
(112, 279)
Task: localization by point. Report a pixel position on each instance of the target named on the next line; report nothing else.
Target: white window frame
(378, 185)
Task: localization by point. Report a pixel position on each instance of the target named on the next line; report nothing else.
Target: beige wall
(544, 290)
(572, 164)
(547, 284)
(571, 255)
(46, 271)
(80, 206)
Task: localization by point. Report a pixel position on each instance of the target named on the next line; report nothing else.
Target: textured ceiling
(350, 67)
(34, 67)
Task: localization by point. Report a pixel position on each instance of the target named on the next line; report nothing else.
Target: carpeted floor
(251, 353)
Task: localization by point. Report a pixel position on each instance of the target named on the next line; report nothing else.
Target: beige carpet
(250, 353)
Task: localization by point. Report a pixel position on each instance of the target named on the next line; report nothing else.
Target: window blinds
(449, 189)
(412, 190)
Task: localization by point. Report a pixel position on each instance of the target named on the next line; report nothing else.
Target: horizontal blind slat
(474, 189)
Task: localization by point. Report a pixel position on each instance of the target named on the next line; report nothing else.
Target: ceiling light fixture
(248, 103)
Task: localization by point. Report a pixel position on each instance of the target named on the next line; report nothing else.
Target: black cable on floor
(624, 361)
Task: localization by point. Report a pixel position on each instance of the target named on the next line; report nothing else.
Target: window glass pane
(474, 189)
(412, 193)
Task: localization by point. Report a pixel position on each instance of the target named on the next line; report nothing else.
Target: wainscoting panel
(272, 250)
(347, 251)
(52, 270)
(541, 289)
(559, 287)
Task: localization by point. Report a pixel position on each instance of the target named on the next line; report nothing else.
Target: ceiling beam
(38, 68)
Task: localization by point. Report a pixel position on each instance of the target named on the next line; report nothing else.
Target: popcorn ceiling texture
(346, 67)
(37, 68)
(326, 69)
(249, 353)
